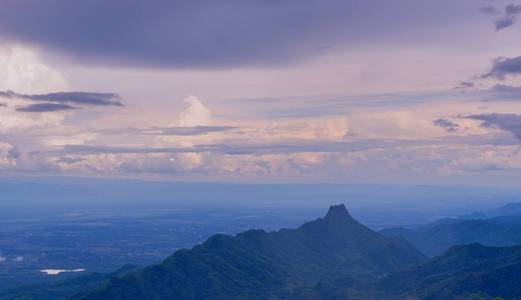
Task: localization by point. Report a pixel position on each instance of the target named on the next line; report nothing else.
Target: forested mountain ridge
(267, 265)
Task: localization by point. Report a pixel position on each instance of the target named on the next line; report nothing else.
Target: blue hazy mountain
(435, 238)
(378, 206)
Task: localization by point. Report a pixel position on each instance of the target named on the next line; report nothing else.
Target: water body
(59, 271)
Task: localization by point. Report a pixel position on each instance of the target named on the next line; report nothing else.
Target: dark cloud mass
(217, 34)
(45, 107)
(503, 23)
(81, 98)
(507, 122)
(513, 9)
(446, 124)
(504, 66)
(509, 18)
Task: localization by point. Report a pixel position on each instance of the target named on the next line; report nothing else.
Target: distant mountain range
(331, 258)
(500, 227)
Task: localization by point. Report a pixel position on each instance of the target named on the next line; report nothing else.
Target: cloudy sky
(341, 91)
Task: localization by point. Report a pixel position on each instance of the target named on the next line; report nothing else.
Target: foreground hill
(470, 272)
(464, 272)
(63, 288)
(260, 265)
(434, 239)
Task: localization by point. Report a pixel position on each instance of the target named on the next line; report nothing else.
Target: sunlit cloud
(23, 70)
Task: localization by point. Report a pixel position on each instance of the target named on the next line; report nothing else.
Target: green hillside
(260, 265)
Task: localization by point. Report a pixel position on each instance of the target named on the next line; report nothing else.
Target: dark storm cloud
(446, 124)
(217, 34)
(80, 98)
(507, 122)
(504, 66)
(46, 107)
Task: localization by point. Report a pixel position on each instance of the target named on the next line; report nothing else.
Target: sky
(329, 91)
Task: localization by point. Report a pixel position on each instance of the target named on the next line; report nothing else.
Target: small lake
(59, 271)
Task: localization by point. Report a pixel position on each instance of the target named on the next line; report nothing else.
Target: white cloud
(70, 138)
(195, 113)
(8, 155)
(486, 159)
(13, 121)
(22, 70)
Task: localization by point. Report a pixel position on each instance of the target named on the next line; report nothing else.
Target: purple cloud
(46, 107)
(509, 18)
(81, 98)
(507, 122)
(446, 124)
(504, 66)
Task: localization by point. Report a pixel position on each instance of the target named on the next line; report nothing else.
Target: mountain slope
(260, 265)
(463, 273)
(64, 288)
(434, 239)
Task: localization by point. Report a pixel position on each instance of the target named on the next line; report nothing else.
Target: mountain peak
(337, 211)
